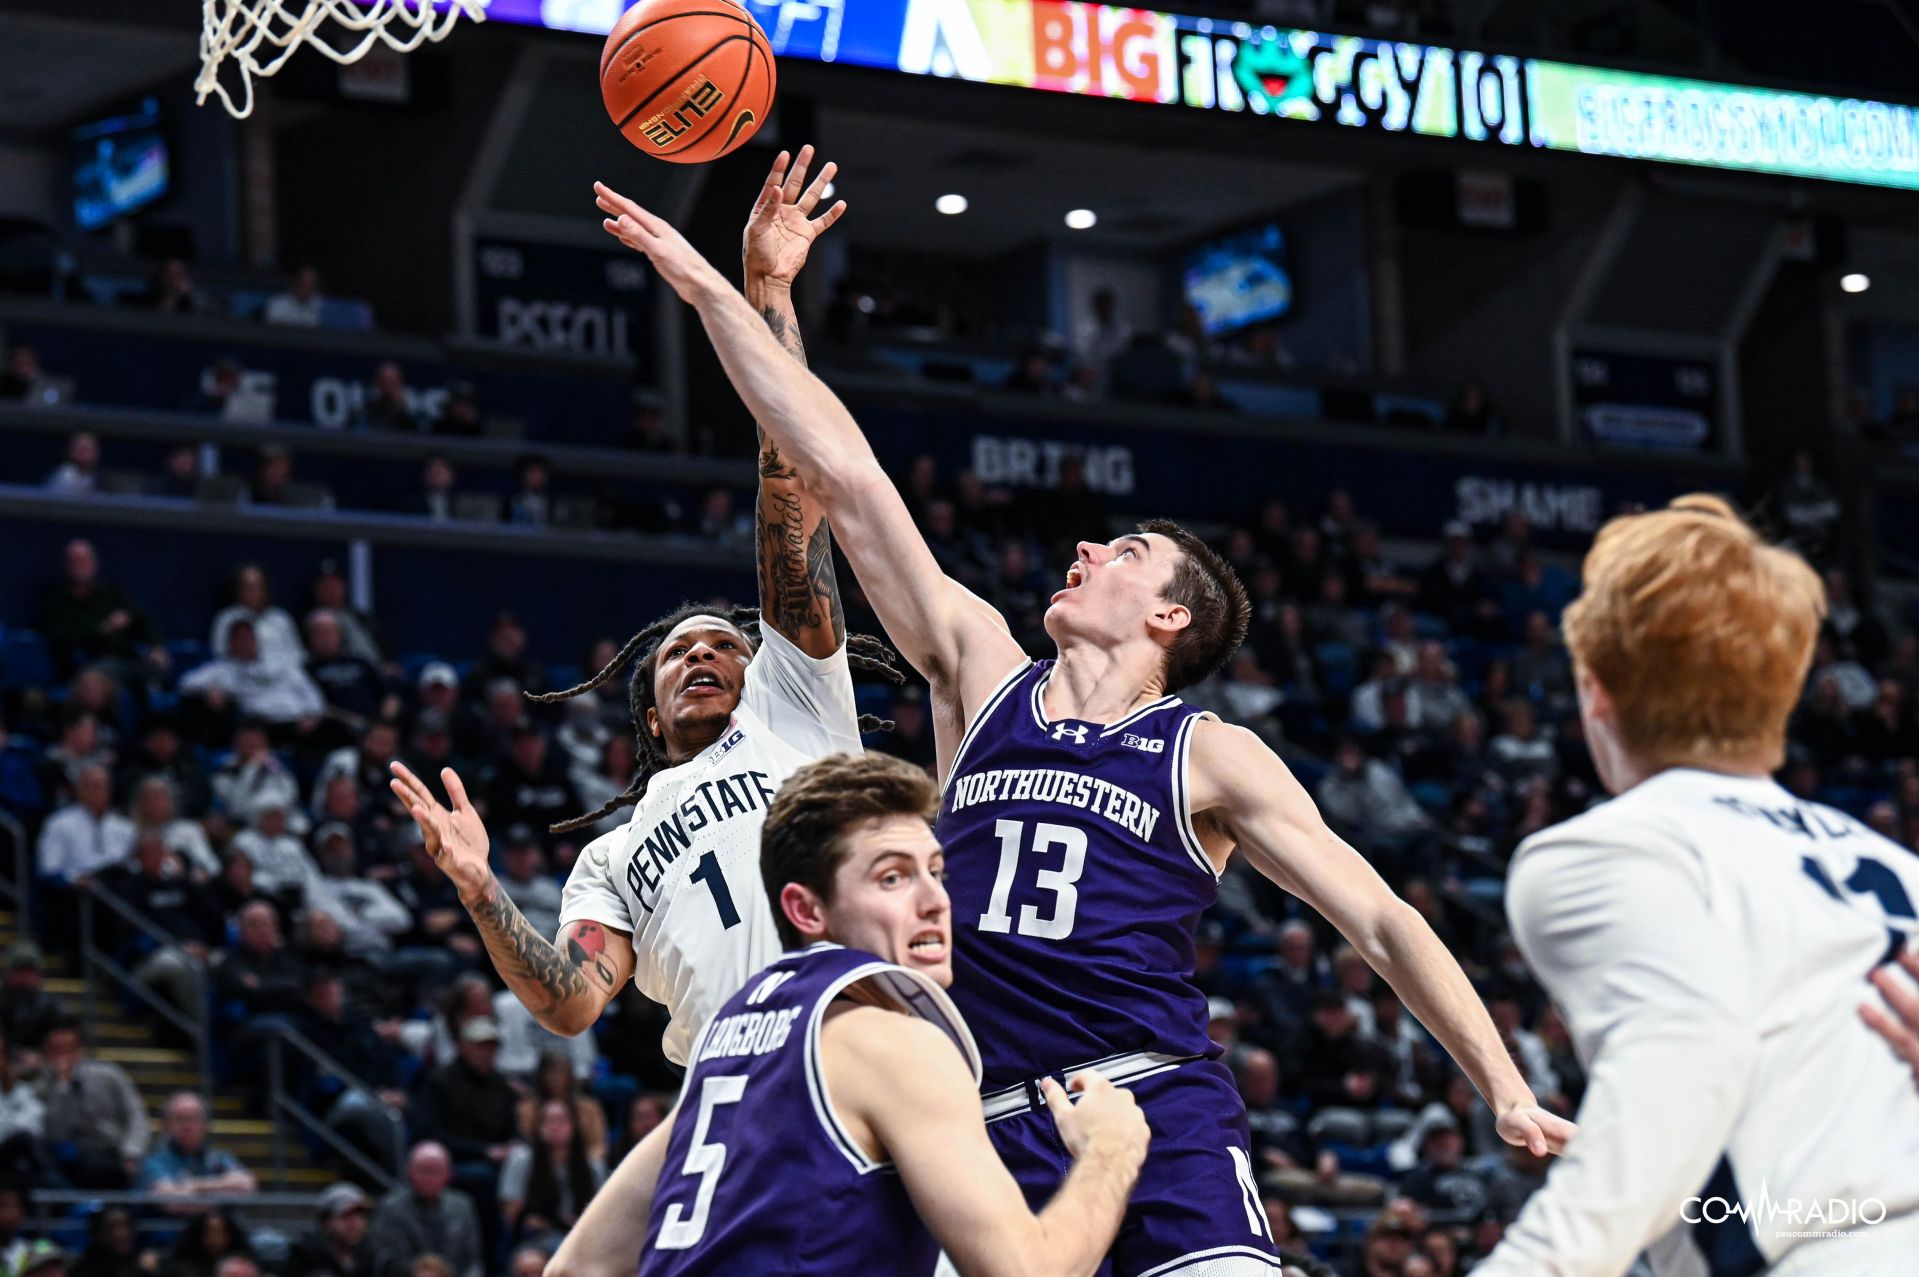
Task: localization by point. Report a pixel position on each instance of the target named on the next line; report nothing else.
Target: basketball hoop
(260, 35)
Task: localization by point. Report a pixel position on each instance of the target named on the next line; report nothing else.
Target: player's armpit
(611, 1231)
(901, 1086)
(1247, 791)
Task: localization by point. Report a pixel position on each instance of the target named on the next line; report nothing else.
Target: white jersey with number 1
(683, 875)
(1708, 938)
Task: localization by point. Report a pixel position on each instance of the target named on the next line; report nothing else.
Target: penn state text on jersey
(682, 876)
(712, 802)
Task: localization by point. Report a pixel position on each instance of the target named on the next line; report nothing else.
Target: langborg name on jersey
(753, 1033)
(712, 802)
(1051, 785)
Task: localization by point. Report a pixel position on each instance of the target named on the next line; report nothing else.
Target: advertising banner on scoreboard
(1393, 86)
(1653, 117)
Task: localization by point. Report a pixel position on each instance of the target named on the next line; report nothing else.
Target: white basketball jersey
(1708, 939)
(683, 875)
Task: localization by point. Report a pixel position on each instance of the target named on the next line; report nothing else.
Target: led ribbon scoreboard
(1392, 86)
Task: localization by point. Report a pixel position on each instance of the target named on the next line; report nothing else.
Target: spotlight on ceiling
(951, 205)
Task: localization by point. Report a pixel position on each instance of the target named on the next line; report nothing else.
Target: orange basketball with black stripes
(687, 80)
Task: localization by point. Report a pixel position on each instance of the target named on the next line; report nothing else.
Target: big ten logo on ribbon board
(561, 297)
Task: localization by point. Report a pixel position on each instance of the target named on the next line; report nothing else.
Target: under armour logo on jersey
(767, 986)
(1062, 730)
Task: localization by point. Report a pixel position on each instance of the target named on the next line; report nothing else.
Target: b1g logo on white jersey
(726, 746)
(1144, 744)
(1062, 730)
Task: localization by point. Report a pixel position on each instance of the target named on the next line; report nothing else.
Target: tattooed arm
(799, 595)
(565, 982)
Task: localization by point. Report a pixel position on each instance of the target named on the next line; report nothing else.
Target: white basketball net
(260, 35)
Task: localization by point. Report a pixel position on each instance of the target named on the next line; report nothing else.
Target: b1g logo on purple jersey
(1145, 744)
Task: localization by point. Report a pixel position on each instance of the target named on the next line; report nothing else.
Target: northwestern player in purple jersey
(1088, 813)
(830, 1122)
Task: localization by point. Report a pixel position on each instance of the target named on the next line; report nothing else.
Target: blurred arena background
(331, 431)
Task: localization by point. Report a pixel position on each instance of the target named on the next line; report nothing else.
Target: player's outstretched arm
(937, 625)
(565, 982)
(799, 595)
(610, 1233)
(902, 1086)
(778, 238)
(1243, 786)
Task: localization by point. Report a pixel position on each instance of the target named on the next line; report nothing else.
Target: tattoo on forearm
(798, 587)
(822, 583)
(786, 588)
(773, 466)
(526, 959)
(786, 331)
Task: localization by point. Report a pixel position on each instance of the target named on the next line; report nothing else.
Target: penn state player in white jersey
(1074, 927)
(829, 1124)
(1709, 938)
(726, 704)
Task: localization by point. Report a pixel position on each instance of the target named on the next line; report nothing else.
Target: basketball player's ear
(1170, 618)
(1593, 696)
(652, 720)
(804, 909)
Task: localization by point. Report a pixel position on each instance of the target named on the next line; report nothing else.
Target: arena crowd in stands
(236, 795)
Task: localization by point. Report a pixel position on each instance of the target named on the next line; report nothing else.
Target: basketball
(687, 80)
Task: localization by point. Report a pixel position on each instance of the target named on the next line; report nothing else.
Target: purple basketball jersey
(760, 1177)
(1076, 881)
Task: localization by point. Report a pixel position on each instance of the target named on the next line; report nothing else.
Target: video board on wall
(1345, 81)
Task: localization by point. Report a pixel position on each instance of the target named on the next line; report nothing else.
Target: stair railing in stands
(195, 1023)
(281, 1102)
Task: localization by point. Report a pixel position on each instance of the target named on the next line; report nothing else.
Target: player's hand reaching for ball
(782, 228)
(1105, 1121)
(678, 262)
(456, 839)
(1535, 1129)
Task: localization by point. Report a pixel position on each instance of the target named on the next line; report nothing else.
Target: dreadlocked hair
(863, 652)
